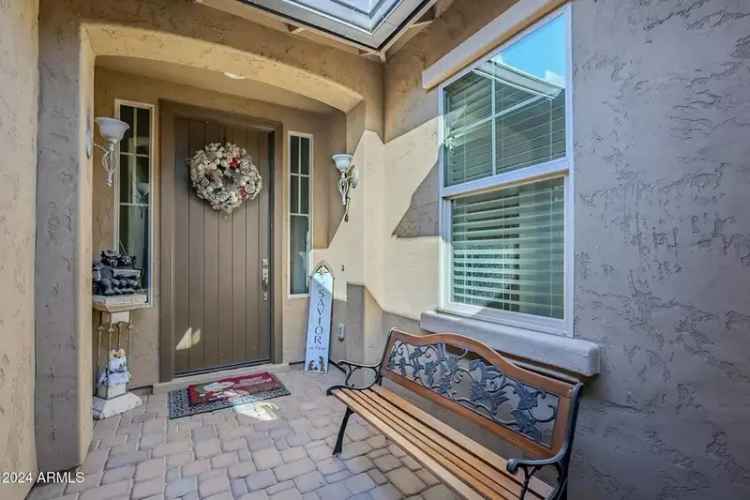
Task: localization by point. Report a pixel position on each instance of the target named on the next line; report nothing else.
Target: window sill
(578, 356)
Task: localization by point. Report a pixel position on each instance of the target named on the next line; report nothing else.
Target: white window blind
(508, 249)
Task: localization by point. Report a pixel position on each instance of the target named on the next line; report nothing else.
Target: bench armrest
(350, 367)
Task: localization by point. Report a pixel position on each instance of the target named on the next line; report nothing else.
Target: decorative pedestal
(113, 345)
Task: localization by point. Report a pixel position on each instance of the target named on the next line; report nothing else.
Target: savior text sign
(319, 320)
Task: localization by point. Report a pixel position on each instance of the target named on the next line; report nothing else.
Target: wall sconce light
(112, 130)
(347, 180)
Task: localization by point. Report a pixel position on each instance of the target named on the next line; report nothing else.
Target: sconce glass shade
(111, 129)
(343, 162)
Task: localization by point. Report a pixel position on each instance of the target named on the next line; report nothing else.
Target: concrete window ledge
(580, 357)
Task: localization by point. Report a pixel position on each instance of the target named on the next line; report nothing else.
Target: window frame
(288, 210)
(151, 180)
(558, 168)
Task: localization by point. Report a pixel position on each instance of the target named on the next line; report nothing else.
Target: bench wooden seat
(531, 411)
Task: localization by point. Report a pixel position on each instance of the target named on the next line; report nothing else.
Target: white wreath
(225, 176)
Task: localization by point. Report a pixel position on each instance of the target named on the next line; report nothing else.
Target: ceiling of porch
(212, 80)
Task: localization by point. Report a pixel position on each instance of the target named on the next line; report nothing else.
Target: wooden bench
(531, 411)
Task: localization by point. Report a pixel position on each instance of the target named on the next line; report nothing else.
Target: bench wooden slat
(487, 455)
(494, 483)
(448, 478)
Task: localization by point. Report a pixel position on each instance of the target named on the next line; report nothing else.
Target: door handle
(264, 277)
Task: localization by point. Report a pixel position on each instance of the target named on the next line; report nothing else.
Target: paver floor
(278, 449)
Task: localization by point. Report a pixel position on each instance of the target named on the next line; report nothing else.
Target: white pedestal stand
(114, 315)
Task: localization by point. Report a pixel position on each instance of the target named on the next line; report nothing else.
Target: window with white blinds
(505, 171)
(508, 249)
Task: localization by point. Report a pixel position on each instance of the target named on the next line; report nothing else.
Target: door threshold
(202, 378)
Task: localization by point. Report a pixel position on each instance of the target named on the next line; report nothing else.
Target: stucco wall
(19, 77)
(329, 137)
(662, 246)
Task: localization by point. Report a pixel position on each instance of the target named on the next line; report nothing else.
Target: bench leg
(342, 430)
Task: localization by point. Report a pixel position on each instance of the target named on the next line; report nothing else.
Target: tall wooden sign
(319, 320)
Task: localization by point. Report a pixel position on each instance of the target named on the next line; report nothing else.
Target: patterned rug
(220, 394)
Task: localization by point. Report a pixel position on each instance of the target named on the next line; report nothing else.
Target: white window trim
(562, 167)
(288, 210)
(151, 179)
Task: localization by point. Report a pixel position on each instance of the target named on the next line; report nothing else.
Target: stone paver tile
(396, 451)
(225, 495)
(203, 433)
(261, 479)
(208, 448)
(255, 495)
(224, 460)
(181, 487)
(108, 491)
(233, 444)
(241, 470)
(319, 451)
(293, 454)
(284, 485)
(298, 439)
(359, 464)
(89, 481)
(260, 443)
(377, 441)
(118, 474)
(216, 484)
(197, 467)
(357, 432)
(385, 492)
(359, 483)
(46, 491)
(132, 457)
(378, 453)
(338, 476)
(238, 486)
(311, 495)
(335, 490)
(171, 448)
(156, 467)
(156, 425)
(352, 450)
(411, 463)
(387, 462)
(406, 481)
(152, 440)
(267, 458)
(145, 489)
(309, 482)
(95, 461)
(182, 458)
(439, 492)
(330, 465)
(377, 476)
(294, 469)
(290, 494)
(427, 476)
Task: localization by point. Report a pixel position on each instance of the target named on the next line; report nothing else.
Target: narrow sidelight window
(133, 209)
(506, 166)
(300, 169)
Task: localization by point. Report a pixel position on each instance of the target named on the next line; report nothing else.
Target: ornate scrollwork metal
(479, 386)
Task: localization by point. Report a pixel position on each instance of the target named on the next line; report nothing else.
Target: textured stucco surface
(19, 78)
(662, 246)
(329, 137)
(72, 33)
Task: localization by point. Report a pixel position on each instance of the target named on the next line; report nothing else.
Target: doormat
(225, 393)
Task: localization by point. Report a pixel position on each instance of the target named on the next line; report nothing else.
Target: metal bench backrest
(528, 409)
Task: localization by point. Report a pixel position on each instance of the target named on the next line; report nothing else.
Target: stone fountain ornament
(116, 283)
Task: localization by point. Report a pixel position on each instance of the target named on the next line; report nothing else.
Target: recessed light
(234, 76)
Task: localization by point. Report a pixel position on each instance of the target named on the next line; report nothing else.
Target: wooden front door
(217, 305)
